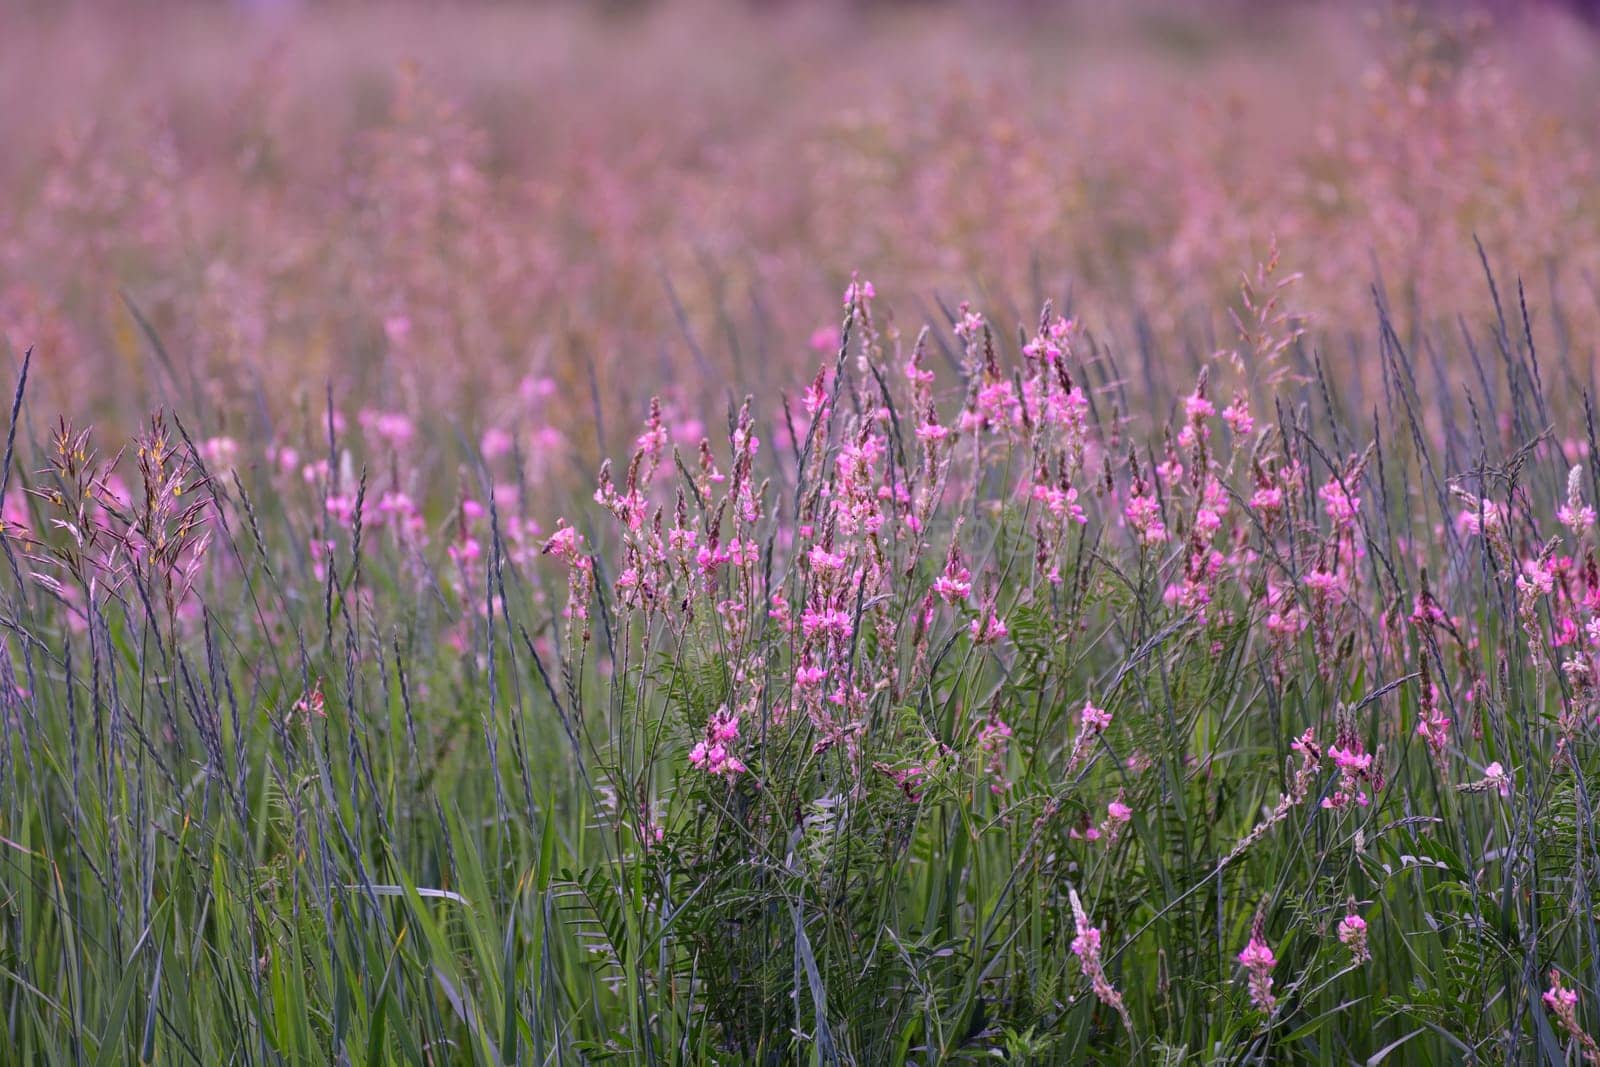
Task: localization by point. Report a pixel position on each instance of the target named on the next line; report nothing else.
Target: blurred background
(533, 217)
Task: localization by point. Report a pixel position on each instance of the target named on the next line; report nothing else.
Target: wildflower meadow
(719, 533)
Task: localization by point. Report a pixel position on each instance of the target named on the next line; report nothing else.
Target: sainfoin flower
(955, 583)
(1144, 516)
(1575, 515)
(714, 753)
(1353, 935)
(1086, 946)
(1237, 416)
(1480, 515)
(832, 622)
(311, 703)
(1094, 719)
(994, 740)
(1258, 962)
(1228, 562)
(1563, 1004)
(988, 628)
(1355, 767)
(1340, 503)
(1118, 815)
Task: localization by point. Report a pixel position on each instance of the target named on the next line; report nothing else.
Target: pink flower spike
(1563, 1004)
(1257, 955)
(988, 630)
(1258, 962)
(1094, 719)
(1086, 946)
(712, 753)
(1353, 935)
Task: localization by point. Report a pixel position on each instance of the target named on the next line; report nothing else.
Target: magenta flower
(1086, 946)
(858, 291)
(1496, 776)
(1258, 962)
(565, 544)
(1575, 514)
(809, 677)
(988, 629)
(1341, 505)
(955, 583)
(713, 754)
(1144, 515)
(1237, 415)
(1563, 1004)
(1257, 955)
(1350, 761)
(830, 622)
(827, 562)
(1353, 935)
(1268, 498)
(1095, 720)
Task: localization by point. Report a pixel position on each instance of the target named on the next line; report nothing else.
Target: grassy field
(558, 612)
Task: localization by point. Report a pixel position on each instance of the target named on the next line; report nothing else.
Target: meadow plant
(975, 718)
(558, 612)
(290, 201)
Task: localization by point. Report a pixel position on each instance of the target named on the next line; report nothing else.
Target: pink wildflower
(1094, 720)
(1118, 815)
(1355, 766)
(1258, 962)
(1268, 498)
(1575, 515)
(1143, 513)
(712, 754)
(1341, 505)
(956, 581)
(1086, 946)
(1480, 515)
(1563, 1004)
(809, 677)
(1353, 935)
(1237, 415)
(495, 443)
(311, 703)
(827, 562)
(830, 622)
(994, 741)
(988, 629)
(858, 291)
(565, 544)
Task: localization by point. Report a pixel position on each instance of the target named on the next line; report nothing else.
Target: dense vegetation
(1181, 671)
